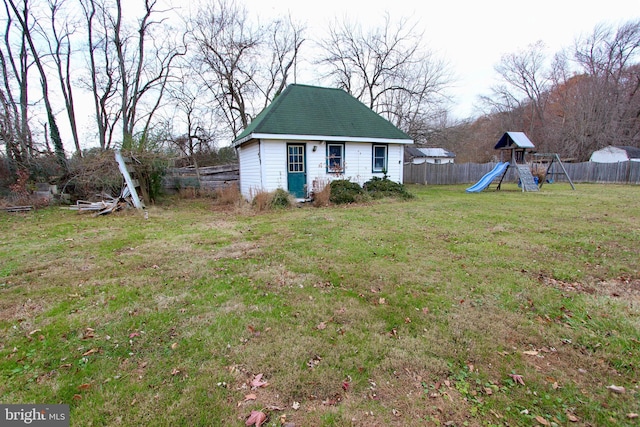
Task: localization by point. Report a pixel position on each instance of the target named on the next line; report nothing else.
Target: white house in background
(309, 136)
(418, 156)
(613, 154)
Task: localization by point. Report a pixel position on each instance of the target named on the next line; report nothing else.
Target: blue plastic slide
(488, 178)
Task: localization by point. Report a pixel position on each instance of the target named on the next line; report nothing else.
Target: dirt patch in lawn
(23, 313)
(624, 287)
(238, 250)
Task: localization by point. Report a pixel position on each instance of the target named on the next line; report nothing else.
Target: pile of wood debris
(107, 205)
(128, 195)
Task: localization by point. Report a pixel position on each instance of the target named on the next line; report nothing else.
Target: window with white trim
(380, 158)
(335, 158)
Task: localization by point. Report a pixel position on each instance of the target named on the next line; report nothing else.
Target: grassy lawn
(498, 308)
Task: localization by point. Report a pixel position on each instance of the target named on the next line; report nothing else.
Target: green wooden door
(297, 171)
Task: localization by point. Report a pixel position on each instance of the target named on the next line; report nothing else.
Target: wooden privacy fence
(209, 177)
(467, 173)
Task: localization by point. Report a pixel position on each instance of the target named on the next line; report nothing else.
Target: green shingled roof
(319, 111)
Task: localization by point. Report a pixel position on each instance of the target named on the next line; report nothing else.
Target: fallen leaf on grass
(632, 415)
(616, 389)
(542, 421)
(248, 398)
(517, 378)
(134, 334)
(174, 346)
(256, 418)
(572, 418)
(175, 371)
(295, 405)
(530, 353)
(86, 386)
(88, 352)
(257, 382)
(321, 326)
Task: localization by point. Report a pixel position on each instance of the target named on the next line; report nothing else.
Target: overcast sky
(471, 35)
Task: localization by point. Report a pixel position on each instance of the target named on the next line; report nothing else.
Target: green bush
(344, 191)
(378, 188)
(280, 199)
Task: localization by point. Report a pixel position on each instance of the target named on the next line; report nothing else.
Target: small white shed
(433, 155)
(309, 136)
(612, 154)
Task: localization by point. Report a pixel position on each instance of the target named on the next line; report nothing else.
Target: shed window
(335, 158)
(379, 158)
(296, 158)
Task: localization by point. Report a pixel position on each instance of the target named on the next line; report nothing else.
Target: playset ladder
(526, 178)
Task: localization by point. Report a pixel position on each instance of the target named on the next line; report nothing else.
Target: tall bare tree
(144, 64)
(525, 75)
(103, 78)
(609, 99)
(16, 132)
(22, 15)
(242, 64)
(58, 39)
(191, 116)
(129, 66)
(285, 38)
(387, 69)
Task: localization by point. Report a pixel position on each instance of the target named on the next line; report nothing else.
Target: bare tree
(58, 39)
(142, 72)
(15, 78)
(23, 15)
(129, 66)
(284, 43)
(103, 75)
(594, 99)
(608, 95)
(231, 50)
(387, 69)
(524, 74)
(191, 117)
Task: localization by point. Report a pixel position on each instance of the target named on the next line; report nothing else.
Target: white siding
(263, 166)
(358, 163)
(250, 174)
(396, 162)
(274, 164)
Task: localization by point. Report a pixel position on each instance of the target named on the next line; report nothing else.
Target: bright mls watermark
(34, 415)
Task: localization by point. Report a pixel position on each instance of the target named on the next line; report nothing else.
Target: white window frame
(384, 168)
(331, 167)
